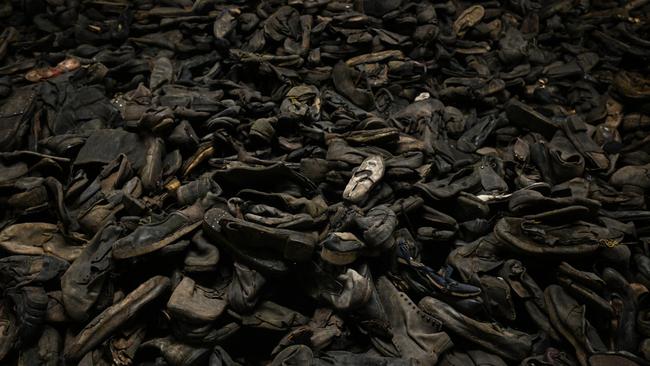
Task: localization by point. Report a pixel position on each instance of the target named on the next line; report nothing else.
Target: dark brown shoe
(507, 343)
(100, 328)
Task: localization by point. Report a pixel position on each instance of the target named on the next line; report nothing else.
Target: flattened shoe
(104, 324)
(534, 238)
(149, 238)
(507, 343)
(36, 238)
(83, 282)
(526, 117)
(525, 202)
(259, 246)
(568, 318)
(21, 270)
(466, 179)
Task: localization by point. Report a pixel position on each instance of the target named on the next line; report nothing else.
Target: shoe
(8, 329)
(203, 256)
(526, 117)
(416, 335)
(277, 178)
(178, 354)
(37, 238)
(616, 358)
(149, 238)
(45, 351)
(126, 342)
(364, 178)
(192, 303)
(526, 289)
(31, 303)
(526, 202)
(479, 256)
(564, 159)
(271, 216)
(430, 283)
(343, 77)
(378, 226)
(341, 248)
(475, 137)
(23, 270)
(510, 344)
(271, 316)
(115, 316)
(254, 243)
(262, 130)
(568, 318)
(631, 177)
(14, 116)
(551, 357)
(356, 290)
(318, 334)
(244, 289)
(530, 237)
(624, 301)
(497, 297)
(577, 131)
(83, 282)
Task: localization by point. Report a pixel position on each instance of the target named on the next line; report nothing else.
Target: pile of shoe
(324, 182)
